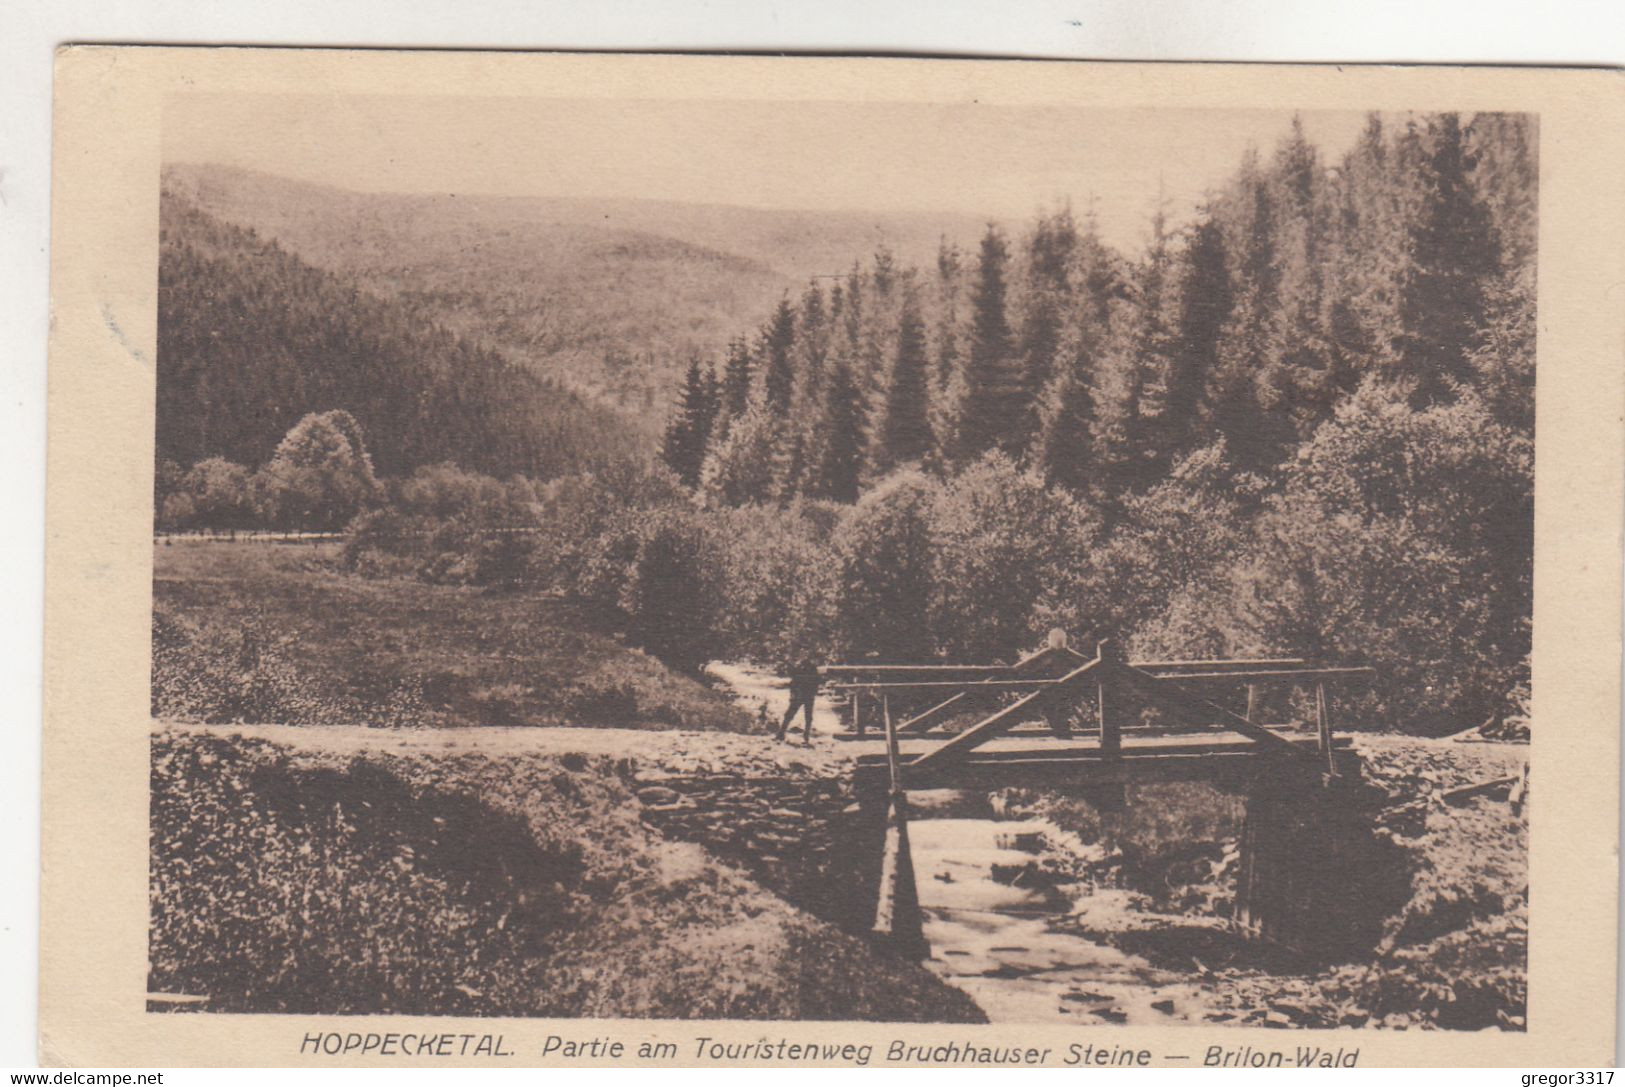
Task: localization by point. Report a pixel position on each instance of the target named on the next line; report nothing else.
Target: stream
(993, 937)
(996, 940)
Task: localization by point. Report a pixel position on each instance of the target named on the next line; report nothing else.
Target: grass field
(280, 633)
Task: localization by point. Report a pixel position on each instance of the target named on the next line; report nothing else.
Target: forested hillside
(611, 297)
(251, 339)
(1410, 262)
(1301, 423)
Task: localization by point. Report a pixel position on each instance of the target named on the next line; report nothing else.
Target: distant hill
(252, 337)
(610, 296)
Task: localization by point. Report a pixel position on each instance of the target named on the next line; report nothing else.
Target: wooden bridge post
(898, 921)
(1299, 877)
(1323, 729)
(1111, 795)
(1111, 736)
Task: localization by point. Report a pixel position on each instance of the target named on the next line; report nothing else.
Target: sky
(1003, 162)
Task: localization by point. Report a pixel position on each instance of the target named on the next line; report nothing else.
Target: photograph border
(99, 514)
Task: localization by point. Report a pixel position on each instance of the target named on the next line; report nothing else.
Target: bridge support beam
(898, 922)
(1304, 846)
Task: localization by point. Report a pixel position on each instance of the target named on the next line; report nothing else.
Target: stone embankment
(791, 831)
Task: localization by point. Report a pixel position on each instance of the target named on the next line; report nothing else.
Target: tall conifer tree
(1144, 395)
(905, 430)
(997, 399)
(1245, 393)
(1049, 258)
(779, 377)
(1455, 262)
(1205, 301)
(689, 432)
(738, 373)
(840, 465)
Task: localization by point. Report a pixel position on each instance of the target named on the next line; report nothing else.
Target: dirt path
(673, 750)
(756, 687)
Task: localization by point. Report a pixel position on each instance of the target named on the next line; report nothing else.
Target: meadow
(263, 632)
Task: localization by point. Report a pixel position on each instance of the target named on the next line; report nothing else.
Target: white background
(1488, 31)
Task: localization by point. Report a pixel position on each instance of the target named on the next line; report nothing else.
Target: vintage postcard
(726, 561)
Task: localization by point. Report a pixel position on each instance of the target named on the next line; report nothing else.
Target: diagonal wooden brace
(925, 720)
(1006, 718)
(1195, 709)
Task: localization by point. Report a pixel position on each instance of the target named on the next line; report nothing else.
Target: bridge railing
(1045, 681)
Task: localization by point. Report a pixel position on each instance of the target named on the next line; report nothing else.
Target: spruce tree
(1369, 258)
(996, 399)
(1049, 258)
(1245, 395)
(1455, 259)
(1314, 371)
(1205, 301)
(840, 465)
(1144, 397)
(812, 345)
(1506, 175)
(905, 430)
(950, 267)
(713, 395)
(1064, 450)
(779, 375)
(738, 373)
(689, 432)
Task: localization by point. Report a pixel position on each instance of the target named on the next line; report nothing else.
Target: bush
(1006, 546)
(885, 559)
(320, 476)
(671, 591)
(628, 539)
(778, 581)
(1403, 539)
(742, 468)
(1178, 538)
(446, 492)
(450, 527)
(584, 516)
(1406, 538)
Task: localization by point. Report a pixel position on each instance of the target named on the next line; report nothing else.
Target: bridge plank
(975, 772)
(1012, 684)
(1034, 747)
(1253, 675)
(1019, 683)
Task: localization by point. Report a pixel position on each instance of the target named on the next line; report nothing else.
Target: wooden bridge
(1060, 719)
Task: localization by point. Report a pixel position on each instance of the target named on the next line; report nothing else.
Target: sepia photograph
(928, 561)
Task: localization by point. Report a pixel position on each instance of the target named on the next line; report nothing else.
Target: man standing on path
(803, 690)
